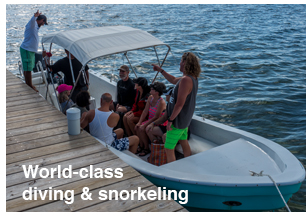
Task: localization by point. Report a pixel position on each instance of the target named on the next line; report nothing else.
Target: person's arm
(118, 96)
(161, 119)
(87, 118)
(135, 102)
(33, 19)
(184, 90)
(161, 106)
(112, 120)
(87, 75)
(169, 77)
(56, 67)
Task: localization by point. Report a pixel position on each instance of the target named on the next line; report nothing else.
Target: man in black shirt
(125, 92)
(63, 65)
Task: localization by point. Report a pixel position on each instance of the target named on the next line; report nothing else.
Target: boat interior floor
(197, 145)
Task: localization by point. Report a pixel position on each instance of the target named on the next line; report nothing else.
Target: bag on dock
(158, 155)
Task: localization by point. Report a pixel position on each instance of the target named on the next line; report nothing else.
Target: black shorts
(163, 128)
(128, 108)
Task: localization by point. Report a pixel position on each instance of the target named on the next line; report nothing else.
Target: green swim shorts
(28, 59)
(173, 136)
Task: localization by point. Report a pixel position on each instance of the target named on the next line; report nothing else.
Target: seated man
(101, 122)
(125, 92)
(63, 65)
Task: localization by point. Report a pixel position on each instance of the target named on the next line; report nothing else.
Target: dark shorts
(163, 128)
(128, 108)
(120, 144)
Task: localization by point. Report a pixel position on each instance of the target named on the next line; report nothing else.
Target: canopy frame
(140, 35)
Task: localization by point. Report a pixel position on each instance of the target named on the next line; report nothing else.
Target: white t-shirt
(31, 40)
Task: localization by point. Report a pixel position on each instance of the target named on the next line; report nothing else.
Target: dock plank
(15, 114)
(38, 152)
(45, 141)
(36, 134)
(92, 183)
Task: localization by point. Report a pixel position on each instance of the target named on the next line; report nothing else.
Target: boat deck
(36, 134)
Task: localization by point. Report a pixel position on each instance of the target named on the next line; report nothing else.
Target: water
(252, 56)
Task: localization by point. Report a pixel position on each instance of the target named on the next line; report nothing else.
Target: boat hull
(216, 198)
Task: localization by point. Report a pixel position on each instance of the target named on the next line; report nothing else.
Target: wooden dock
(36, 134)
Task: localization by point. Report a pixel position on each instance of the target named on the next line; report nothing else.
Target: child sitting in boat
(154, 108)
(131, 118)
(63, 97)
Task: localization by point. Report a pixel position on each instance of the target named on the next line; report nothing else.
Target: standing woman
(181, 105)
(154, 108)
(131, 118)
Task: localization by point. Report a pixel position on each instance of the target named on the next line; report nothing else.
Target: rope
(261, 174)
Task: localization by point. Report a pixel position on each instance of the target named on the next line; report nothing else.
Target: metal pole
(157, 56)
(81, 71)
(73, 80)
(161, 65)
(130, 64)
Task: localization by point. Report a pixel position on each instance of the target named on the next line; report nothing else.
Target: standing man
(29, 45)
(125, 92)
(63, 65)
(181, 105)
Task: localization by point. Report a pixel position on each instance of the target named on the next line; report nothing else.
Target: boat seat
(235, 158)
(197, 145)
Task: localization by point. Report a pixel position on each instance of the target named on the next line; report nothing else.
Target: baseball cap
(124, 68)
(63, 87)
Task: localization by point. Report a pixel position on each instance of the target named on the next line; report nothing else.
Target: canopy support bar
(161, 64)
(72, 74)
(130, 64)
(81, 72)
(157, 56)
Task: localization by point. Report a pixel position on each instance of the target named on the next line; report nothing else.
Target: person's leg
(172, 137)
(119, 132)
(132, 122)
(145, 140)
(126, 126)
(184, 143)
(156, 133)
(164, 137)
(121, 109)
(138, 135)
(170, 155)
(28, 63)
(186, 148)
(133, 143)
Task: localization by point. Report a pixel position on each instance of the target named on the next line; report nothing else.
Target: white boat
(229, 169)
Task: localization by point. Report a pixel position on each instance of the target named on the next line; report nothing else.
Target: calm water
(252, 56)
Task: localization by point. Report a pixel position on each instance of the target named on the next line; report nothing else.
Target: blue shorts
(120, 144)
